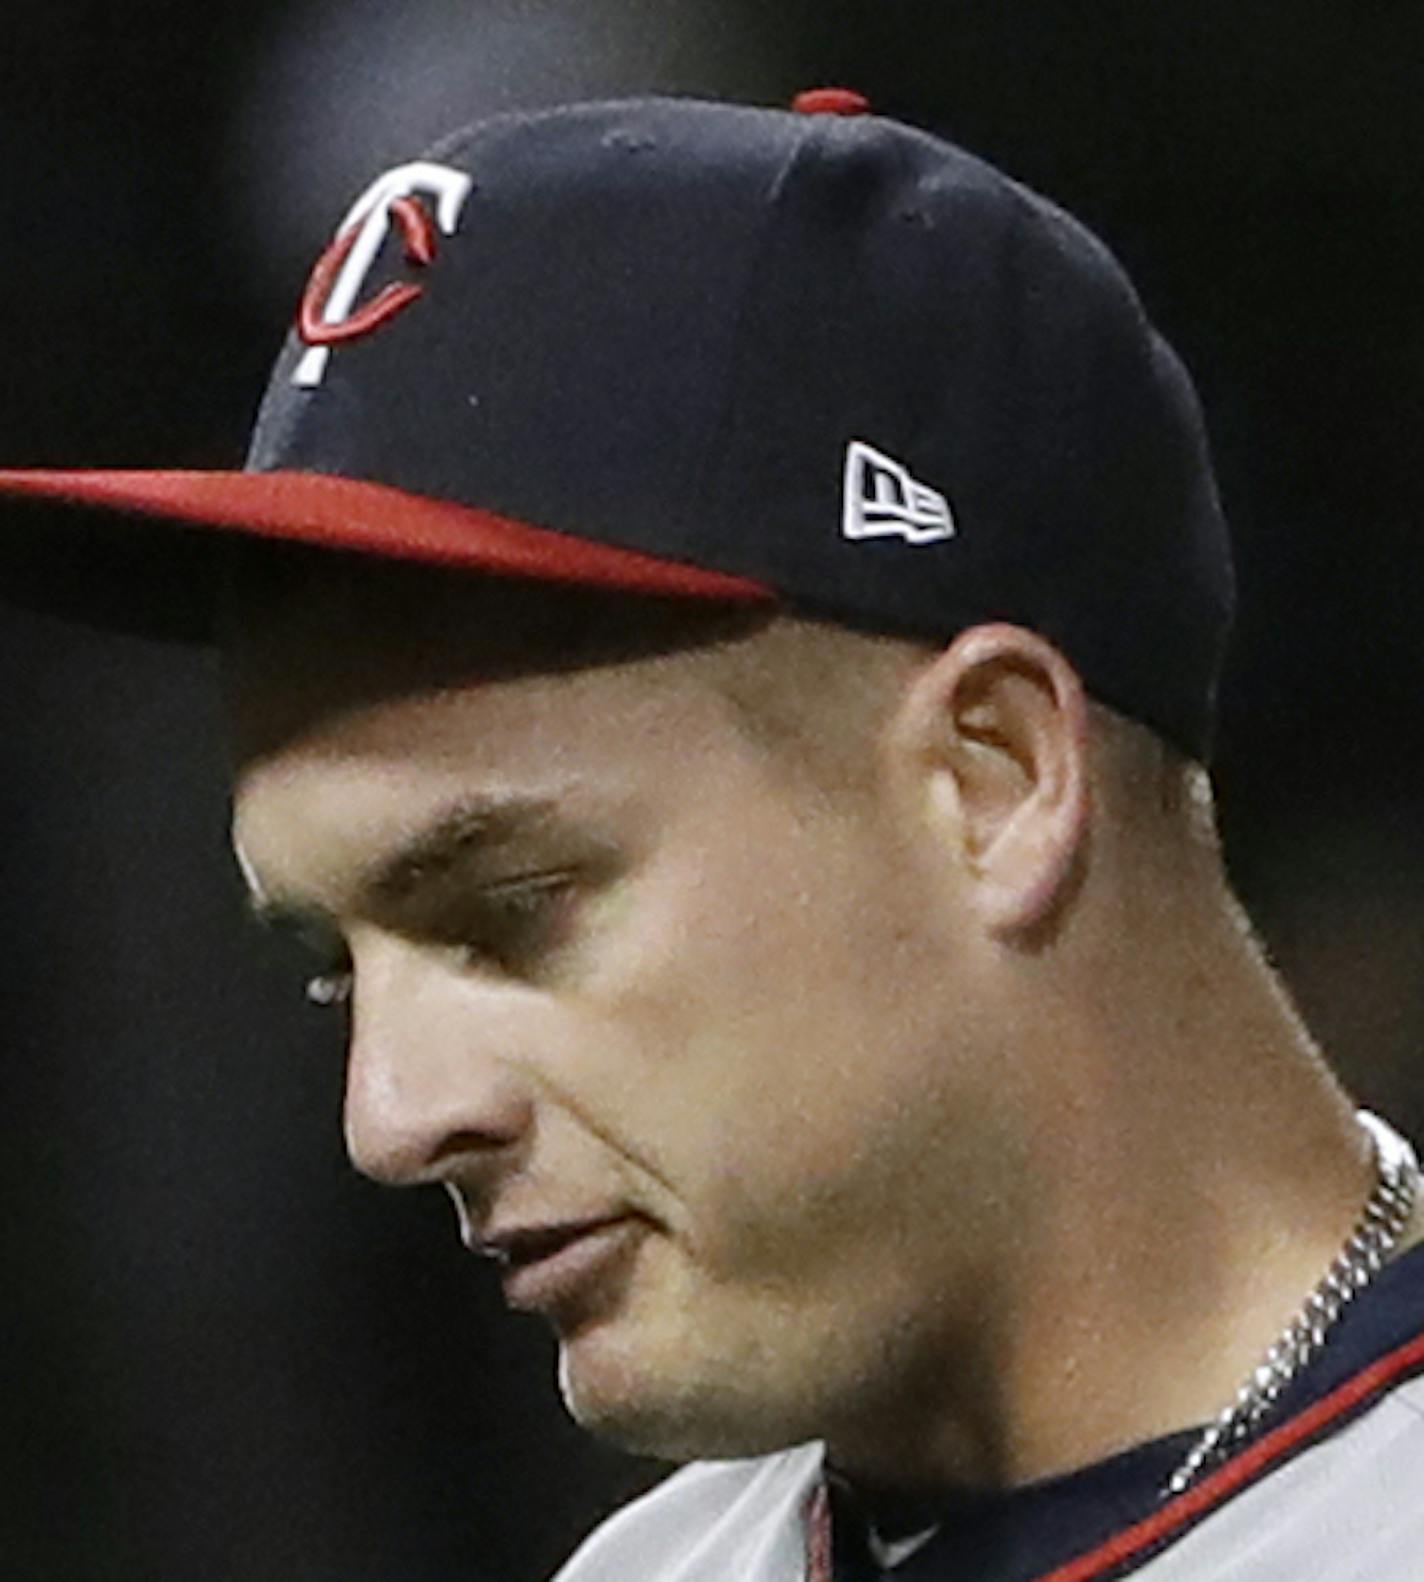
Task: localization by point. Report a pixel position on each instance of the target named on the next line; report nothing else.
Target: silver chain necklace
(1374, 1236)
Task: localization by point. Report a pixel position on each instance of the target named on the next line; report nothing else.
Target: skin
(940, 1104)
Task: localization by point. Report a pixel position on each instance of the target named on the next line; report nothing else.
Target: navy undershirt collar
(1021, 1534)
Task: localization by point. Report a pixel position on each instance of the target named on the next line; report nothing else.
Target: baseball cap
(813, 359)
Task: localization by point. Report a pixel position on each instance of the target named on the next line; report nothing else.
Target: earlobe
(998, 724)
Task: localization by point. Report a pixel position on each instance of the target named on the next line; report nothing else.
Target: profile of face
(675, 1017)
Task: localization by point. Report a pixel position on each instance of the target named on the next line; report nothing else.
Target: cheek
(778, 1064)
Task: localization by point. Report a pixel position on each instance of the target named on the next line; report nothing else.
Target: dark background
(224, 1356)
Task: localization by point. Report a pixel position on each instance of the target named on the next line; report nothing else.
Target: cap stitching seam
(726, 405)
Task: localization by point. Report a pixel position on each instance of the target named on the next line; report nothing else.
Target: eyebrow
(451, 836)
(448, 839)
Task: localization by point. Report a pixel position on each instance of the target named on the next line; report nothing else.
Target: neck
(1190, 1170)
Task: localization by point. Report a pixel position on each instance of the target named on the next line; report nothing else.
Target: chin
(676, 1412)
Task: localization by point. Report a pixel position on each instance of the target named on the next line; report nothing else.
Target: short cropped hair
(811, 692)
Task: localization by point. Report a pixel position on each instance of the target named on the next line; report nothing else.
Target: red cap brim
(376, 519)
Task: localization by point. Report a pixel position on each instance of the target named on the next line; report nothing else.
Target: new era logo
(882, 500)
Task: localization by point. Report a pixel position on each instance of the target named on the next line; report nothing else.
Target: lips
(528, 1243)
(568, 1270)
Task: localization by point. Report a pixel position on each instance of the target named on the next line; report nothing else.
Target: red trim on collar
(817, 1521)
(1250, 1465)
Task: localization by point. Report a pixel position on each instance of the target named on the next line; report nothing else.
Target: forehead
(521, 770)
(367, 707)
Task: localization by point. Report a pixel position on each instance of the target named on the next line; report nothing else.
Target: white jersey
(1331, 1491)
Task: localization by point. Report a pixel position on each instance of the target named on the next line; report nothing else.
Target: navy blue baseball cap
(810, 359)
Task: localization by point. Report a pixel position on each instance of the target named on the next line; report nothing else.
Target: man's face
(662, 1011)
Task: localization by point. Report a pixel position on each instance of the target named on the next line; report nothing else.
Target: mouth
(567, 1271)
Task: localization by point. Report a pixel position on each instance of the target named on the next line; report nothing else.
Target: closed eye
(512, 926)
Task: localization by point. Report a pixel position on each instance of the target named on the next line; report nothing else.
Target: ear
(995, 730)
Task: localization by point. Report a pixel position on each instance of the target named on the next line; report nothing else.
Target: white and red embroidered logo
(328, 315)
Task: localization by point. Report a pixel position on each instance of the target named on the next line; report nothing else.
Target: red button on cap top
(831, 101)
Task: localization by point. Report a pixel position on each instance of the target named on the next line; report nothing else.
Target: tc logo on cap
(328, 313)
(882, 500)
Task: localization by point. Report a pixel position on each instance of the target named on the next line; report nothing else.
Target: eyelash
(526, 905)
(525, 911)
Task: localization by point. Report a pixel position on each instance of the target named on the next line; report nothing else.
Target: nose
(426, 1085)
